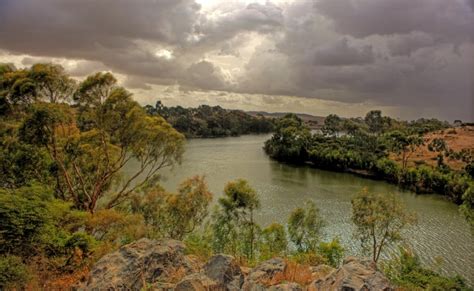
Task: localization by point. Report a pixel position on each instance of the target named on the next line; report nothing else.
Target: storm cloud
(416, 55)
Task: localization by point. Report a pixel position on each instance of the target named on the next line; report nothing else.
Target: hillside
(456, 139)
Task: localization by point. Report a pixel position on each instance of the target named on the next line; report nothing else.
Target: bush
(22, 220)
(273, 241)
(406, 272)
(199, 245)
(13, 273)
(332, 251)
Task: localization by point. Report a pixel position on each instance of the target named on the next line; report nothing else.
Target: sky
(409, 58)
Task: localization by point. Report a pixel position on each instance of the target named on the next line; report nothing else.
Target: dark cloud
(341, 53)
(450, 19)
(205, 75)
(410, 53)
(407, 43)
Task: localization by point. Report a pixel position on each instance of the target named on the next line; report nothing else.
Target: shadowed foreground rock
(162, 265)
(139, 263)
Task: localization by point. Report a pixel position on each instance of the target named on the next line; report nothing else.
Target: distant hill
(311, 120)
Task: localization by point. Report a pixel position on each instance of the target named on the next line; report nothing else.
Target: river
(441, 231)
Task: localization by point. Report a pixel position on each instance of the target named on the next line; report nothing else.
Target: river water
(441, 232)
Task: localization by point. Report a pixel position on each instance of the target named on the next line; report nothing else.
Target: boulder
(141, 263)
(286, 287)
(224, 270)
(353, 275)
(321, 271)
(264, 274)
(197, 282)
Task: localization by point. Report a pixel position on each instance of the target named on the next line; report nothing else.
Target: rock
(321, 271)
(224, 270)
(264, 275)
(353, 275)
(286, 287)
(197, 282)
(141, 262)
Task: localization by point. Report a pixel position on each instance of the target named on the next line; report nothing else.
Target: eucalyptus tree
(113, 131)
(234, 225)
(403, 145)
(305, 227)
(52, 83)
(332, 125)
(379, 220)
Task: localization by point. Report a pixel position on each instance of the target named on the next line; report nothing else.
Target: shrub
(22, 220)
(305, 227)
(332, 251)
(407, 272)
(273, 241)
(13, 273)
(199, 245)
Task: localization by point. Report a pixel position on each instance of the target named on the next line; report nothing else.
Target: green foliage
(305, 227)
(273, 241)
(23, 216)
(379, 220)
(234, 228)
(211, 121)
(403, 145)
(290, 141)
(467, 207)
(200, 244)
(21, 164)
(174, 215)
(13, 273)
(187, 209)
(407, 272)
(332, 125)
(332, 251)
(91, 143)
(52, 82)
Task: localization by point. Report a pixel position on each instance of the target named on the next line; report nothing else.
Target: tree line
(211, 121)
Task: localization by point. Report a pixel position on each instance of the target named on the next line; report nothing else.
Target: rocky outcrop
(162, 265)
(265, 274)
(221, 272)
(139, 263)
(354, 275)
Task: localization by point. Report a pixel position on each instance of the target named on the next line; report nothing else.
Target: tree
(290, 141)
(379, 220)
(273, 241)
(235, 220)
(16, 88)
(403, 144)
(375, 121)
(332, 124)
(89, 160)
(332, 251)
(52, 82)
(439, 145)
(186, 210)
(305, 227)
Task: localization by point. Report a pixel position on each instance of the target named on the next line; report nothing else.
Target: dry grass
(456, 139)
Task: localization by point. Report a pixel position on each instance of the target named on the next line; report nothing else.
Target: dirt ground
(456, 138)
